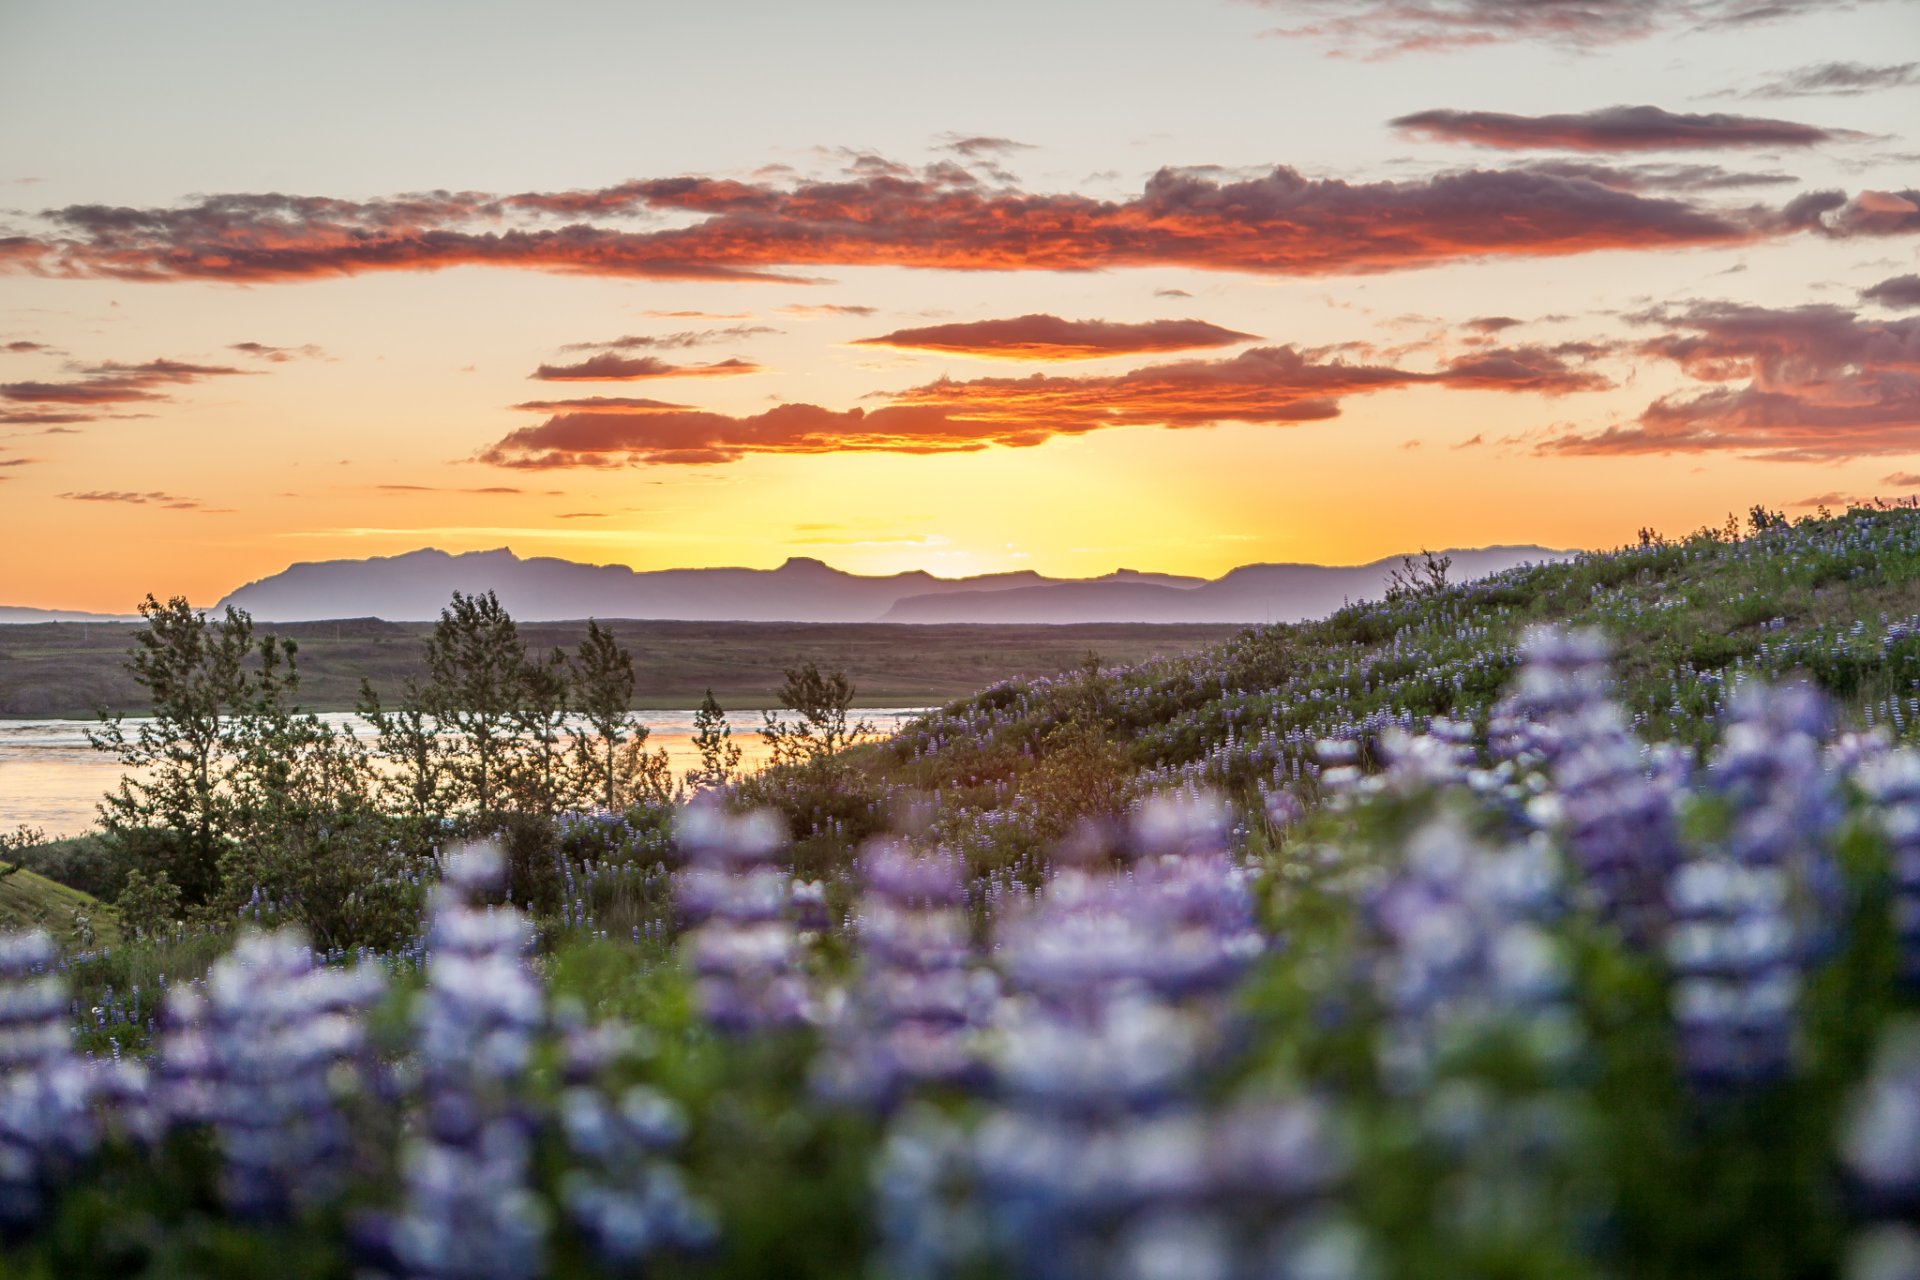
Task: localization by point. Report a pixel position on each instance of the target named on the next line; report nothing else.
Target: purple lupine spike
(1462, 944)
(1892, 781)
(468, 1211)
(917, 1006)
(744, 949)
(1736, 962)
(1786, 804)
(1614, 807)
(257, 1058)
(46, 1092)
(624, 1195)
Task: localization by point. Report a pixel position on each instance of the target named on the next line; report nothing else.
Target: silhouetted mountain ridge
(416, 585)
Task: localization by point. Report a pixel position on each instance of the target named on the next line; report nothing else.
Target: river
(52, 779)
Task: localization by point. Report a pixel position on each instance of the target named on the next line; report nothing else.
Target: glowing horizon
(1522, 283)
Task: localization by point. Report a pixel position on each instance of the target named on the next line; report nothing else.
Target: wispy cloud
(277, 355)
(1838, 79)
(1387, 28)
(112, 383)
(169, 501)
(673, 341)
(1046, 337)
(820, 310)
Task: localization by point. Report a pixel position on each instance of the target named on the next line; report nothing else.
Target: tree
(409, 739)
(542, 783)
(181, 761)
(611, 746)
(821, 700)
(713, 739)
(476, 667)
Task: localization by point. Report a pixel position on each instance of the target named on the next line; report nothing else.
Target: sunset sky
(1172, 285)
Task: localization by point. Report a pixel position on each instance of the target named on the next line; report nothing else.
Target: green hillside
(1835, 598)
(31, 901)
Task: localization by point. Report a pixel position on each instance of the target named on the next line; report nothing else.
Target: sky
(1174, 286)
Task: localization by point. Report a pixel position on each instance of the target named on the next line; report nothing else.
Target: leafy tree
(821, 701)
(713, 739)
(476, 671)
(176, 804)
(409, 740)
(611, 746)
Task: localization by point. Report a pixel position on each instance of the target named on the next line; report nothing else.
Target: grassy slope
(1824, 598)
(30, 901)
(64, 669)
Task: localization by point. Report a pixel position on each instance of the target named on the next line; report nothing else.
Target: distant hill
(17, 613)
(1251, 593)
(417, 585)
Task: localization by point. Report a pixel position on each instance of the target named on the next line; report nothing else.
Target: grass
(29, 900)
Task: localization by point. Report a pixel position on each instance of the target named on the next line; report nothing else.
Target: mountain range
(415, 586)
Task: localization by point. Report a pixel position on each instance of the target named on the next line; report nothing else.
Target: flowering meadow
(1560, 924)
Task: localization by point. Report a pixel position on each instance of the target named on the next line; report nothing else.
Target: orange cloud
(1274, 385)
(1279, 223)
(1045, 337)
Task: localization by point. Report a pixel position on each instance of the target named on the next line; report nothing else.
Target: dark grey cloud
(1618, 128)
(1900, 292)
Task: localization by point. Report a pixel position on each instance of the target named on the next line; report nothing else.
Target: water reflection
(50, 778)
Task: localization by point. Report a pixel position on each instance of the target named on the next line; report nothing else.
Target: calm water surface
(50, 778)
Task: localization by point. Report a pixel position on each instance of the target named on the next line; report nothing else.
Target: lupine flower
(623, 1194)
(1786, 804)
(744, 949)
(1463, 947)
(1892, 781)
(45, 1126)
(1736, 965)
(1097, 1138)
(1615, 812)
(257, 1058)
(468, 1211)
(920, 999)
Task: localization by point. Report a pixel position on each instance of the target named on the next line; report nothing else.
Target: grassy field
(67, 669)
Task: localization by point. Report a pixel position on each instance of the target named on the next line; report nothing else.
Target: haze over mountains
(417, 585)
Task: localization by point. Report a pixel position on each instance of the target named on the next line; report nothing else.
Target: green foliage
(713, 739)
(183, 763)
(477, 674)
(148, 906)
(820, 701)
(612, 765)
